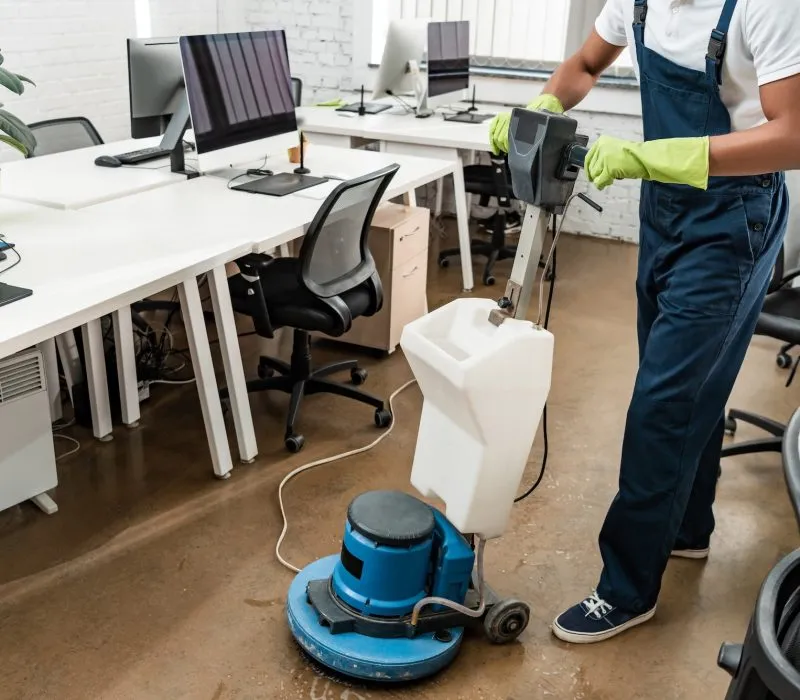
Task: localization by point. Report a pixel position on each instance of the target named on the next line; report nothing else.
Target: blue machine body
(396, 550)
(387, 581)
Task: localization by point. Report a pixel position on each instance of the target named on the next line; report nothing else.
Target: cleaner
(394, 603)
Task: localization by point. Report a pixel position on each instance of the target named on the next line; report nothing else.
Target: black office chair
(767, 665)
(779, 319)
(58, 135)
(489, 181)
(332, 282)
(297, 91)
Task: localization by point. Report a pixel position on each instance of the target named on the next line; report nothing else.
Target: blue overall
(705, 262)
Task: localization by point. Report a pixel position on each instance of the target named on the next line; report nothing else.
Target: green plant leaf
(25, 80)
(11, 81)
(17, 129)
(14, 144)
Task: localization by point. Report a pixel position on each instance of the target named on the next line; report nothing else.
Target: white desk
(202, 212)
(82, 266)
(71, 180)
(405, 134)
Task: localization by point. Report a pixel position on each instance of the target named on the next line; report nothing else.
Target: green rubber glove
(676, 161)
(498, 129)
(337, 102)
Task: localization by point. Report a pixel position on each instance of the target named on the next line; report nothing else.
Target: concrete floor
(156, 581)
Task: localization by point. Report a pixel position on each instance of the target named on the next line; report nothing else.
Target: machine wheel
(730, 426)
(444, 263)
(783, 360)
(265, 372)
(383, 418)
(358, 376)
(489, 281)
(506, 620)
(295, 443)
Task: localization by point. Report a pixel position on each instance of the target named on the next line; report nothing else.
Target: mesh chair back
(297, 91)
(59, 135)
(335, 255)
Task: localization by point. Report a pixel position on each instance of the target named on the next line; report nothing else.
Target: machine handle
(577, 155)
(594, 205)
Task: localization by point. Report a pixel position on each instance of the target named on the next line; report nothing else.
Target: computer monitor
(402, 57)
(448, 58)
(155, 78)
(240, 96)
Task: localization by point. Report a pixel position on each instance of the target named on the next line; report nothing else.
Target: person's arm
(768, 148)
(574, 78)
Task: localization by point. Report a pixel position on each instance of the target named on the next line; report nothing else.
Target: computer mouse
(108, 162)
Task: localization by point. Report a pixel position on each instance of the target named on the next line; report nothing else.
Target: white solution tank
(484, 389)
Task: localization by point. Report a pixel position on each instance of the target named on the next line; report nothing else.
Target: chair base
(485, 249)
(771, 444)
(299, 380)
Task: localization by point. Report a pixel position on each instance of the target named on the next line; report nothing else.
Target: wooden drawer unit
(399, 244)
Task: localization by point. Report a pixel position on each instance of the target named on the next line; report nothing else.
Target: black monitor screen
(448, 57)
(239, 87)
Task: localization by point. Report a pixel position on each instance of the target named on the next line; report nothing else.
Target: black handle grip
(594, 205)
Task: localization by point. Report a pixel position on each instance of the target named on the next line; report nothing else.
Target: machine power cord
(328, 460)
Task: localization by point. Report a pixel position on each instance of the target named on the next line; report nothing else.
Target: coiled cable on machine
(444, 602)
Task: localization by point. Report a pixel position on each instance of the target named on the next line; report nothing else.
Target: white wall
(75, 52)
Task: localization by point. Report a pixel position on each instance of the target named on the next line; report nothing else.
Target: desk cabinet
(399, 244)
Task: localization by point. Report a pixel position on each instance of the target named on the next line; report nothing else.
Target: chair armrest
(789, 276)
(499, 166)
(250, 268)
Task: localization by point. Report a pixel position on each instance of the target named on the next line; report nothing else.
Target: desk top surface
(406, 128)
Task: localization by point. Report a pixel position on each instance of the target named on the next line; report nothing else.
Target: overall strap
(639, 17)
(719, 40)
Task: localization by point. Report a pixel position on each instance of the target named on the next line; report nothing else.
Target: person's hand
(676, 161)
(498, 129)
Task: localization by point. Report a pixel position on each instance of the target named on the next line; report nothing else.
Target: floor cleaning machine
(394, 603)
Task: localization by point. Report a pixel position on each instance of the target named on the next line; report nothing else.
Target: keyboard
(468, 118)
(145, 154)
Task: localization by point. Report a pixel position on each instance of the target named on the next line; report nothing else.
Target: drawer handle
(409, 274)
(413, 233)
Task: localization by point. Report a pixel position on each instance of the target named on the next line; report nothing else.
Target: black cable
(249, 173)
(405, 104)
(10, 249)
(544, 413)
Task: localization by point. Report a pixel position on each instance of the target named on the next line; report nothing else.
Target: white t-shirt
(763, 43)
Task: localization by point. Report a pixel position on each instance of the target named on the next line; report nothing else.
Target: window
(504, 34)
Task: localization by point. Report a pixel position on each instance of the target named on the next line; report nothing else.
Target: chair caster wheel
(783, 360)
(265, 372)
(506, 621)
(489, 281)
(444, 263)
(226, 406)
(295, 443)
(358, 376)
(730, 426)
(383, 418)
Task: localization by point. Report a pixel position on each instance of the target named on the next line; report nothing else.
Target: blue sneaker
(595, 620)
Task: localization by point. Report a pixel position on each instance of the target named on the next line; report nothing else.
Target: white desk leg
(70, 360)
(203, 366)
(284, 251)
(410, 198)
(96, 380)
(232, 361)
(126, 367)
(50, 357)
(437, 212)
(462, 215)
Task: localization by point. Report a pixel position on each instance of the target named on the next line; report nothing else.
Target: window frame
(617, 92)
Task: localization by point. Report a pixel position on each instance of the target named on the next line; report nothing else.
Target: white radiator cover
(27, 456)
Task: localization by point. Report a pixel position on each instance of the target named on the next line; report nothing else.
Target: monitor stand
(172, 140)
(9, 294)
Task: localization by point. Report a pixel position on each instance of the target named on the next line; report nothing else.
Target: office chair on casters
(489, 181)
(297, 91)
(59, 135)
(779, 319)
(332, 282)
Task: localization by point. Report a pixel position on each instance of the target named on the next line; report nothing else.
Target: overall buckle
(639, 13)
(716, 46)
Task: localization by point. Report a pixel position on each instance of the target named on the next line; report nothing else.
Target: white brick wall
(320, 36)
